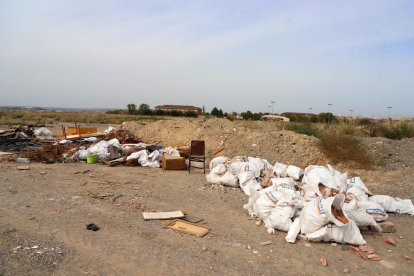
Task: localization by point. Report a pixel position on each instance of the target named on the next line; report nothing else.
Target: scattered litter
(390, 241)
(22, 160)
(162, 215)
(192, 219)
(92, 226)
(188, 228)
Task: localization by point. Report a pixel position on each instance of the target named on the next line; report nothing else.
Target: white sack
(319, 211)
(282, 170)
(358, 213)
(172, 151)
(236, 167)
(293, 231)
(247, 182)
(315, 175)
(374, 209)
(101, 149)
(108, 130)
(217, 161)
(356, 193)
(114, 142)
(358, 183)
(348, 233)
(394, 205)
(226, 179)
(283, 181)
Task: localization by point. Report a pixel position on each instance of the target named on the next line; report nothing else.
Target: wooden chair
(197, 154)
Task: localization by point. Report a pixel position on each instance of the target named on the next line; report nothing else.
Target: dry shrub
(345, 148)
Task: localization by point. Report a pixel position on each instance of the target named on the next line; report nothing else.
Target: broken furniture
(170, 162)
(78, 132)
(197, 154)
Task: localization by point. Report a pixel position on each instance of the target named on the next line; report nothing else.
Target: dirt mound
(392, 154)
(265, 139)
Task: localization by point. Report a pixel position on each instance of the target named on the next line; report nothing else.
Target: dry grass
(346, 148)
(43, 118)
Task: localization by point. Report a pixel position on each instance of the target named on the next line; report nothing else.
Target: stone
(387, 264)
(346, 270)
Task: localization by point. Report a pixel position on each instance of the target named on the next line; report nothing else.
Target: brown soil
(49, 206)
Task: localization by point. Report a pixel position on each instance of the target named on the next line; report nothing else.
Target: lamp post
(269, 108)
(389, 111)
(310, 111)
(329, 107)
(351, 111)
(273, 104)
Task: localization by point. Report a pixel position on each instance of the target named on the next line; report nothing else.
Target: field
(44, 210)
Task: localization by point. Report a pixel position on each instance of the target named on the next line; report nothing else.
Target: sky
(236, 55)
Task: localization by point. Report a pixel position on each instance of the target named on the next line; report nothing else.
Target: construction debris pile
(318, 204)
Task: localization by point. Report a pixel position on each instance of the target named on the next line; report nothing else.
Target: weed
(303, 128)
(346, 148)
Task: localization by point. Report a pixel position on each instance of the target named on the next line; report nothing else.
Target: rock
(265, 243)
(387, 226)
(387, 264)
(334, 244)
(390, 241)
(255, 252)
(249, 247)
(308, 245)
(323, 261)
(346, 270)
(204, 248)
(258, 222)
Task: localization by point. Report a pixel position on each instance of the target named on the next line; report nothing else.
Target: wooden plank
(188, 228)
(162, 215)
(23, 168)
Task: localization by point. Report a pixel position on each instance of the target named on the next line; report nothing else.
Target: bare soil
(44, 212)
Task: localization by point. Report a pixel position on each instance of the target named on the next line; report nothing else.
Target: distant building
(180, 108)
(271, 117)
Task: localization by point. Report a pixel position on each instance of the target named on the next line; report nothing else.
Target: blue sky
(236, 55)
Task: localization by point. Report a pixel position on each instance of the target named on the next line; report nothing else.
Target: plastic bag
(42, 132)
(101, 149)
(394, 205)
(320, 211)
(236, 167)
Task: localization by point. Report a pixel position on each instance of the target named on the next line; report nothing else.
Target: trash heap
(318, 204)
(111, 147)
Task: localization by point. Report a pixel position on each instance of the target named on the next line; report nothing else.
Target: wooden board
(162, 215)
(23, 168)
(188, 228)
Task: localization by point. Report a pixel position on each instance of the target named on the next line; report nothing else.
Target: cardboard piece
(188, 228)
(170, 162)
(162, 215)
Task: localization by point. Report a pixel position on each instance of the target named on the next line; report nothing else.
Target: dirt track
(48, 207)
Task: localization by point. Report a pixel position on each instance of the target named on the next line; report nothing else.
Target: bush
(345, 148)
(395, 131)
(303, 128)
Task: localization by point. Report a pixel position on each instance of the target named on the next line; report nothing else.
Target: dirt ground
(44, 210)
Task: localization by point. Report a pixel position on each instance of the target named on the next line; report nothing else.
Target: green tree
(215, 112)
(248, 115)
(132, 109)
(144, 109)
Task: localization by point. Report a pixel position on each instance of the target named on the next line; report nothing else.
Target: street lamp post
(310, 111)
(329, 105)
(389, 111)
(273, 103)
(351, 111)
(269, 108)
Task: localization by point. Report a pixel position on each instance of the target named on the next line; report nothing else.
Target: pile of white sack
(318, 204)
